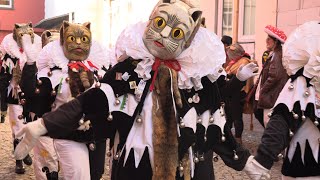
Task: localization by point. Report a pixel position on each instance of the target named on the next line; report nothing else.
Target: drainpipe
(235, 21)
(277, 13)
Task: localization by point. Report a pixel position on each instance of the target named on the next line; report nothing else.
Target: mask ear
(64, 25)
(16, 26)
(44, 36)
(30, 24)
(87, 25)
(196, 16)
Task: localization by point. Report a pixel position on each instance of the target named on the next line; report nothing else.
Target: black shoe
(28, 160)
(19, 167)
(2, 118)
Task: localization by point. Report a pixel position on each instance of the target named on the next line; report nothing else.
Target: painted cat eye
(85, 39)
(159, 22)
(177, 33)
(21, 35)
(71, 39)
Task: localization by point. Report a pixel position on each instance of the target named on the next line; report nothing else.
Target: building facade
(19, 11)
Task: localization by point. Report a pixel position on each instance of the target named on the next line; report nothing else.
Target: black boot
(19, 165)
(27, 160)
(50, 175)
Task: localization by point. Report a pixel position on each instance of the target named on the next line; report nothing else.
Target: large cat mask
(22, 29)
(172, 26)
(75, 40)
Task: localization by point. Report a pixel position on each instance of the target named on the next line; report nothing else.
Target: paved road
(250, 140)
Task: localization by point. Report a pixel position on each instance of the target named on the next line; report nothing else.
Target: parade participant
(235, 91)
(13, 61)
(160, 103)
(3, 97)
(294, 124)
(65, 68)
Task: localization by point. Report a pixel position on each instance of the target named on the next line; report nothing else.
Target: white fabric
(302, 48)
(190, 119)
(74, 159)
(16, 124)
(44, 156)
(204, 57)
(52, 55)
(247, 71)
(289, 97)
(140, 135)
(32, 50)
(308, 131)
(10, 46)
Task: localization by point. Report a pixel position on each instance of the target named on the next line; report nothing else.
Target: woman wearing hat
(273, 76)
(294, 121)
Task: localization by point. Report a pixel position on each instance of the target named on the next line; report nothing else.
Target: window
(227, 17)
(6, 4)
(247, 14)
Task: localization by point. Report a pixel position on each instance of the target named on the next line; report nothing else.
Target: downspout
(277, 13)
(235, 21)
(216, 17)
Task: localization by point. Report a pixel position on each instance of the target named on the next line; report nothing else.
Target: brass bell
(205, 138)
(49, 73)
(116, 157)
(98, 85)
(199, 120)
(100, 77)
(37, 91)
(303, 117)
(139, 119)
(92, 146)
(117, 101)
(23, 101)
(201, 158)
(280, 156)
(290, 87)
(220, 70)
(211, 120)
(223, 138)
(215, 158)
(81, 122)
(316, 122)
(195, 159)
(181, 168)
(67, 79)
(22, 94)
(110, 117)
(269, 114)
(182, 125)
(235, 156)
(306, 94)
(39, 82)
(291, 133)
(295, 116)
(53, 93)
(20, 116)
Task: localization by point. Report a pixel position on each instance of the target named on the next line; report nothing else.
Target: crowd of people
(165, 98)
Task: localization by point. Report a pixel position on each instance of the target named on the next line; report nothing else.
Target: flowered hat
(276, 33)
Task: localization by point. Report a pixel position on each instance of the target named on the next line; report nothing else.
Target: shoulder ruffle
(204, 57)
(52, 55)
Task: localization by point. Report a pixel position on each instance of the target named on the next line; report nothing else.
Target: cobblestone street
(250, 140)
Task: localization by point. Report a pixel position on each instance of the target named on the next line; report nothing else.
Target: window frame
(8, 7)
(241, 36)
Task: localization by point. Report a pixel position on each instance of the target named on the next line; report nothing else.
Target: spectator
(227, 41)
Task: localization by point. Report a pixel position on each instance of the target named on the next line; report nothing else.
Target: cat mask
(172, 27)
(21, 29)
(48, 36)
(75, 40)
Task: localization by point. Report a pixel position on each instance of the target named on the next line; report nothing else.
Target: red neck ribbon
(232, 61)
(78, 65)
(172, 64)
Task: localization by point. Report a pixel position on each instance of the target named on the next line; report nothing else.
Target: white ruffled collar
(52, 55)
(204, 57)
(10, 46)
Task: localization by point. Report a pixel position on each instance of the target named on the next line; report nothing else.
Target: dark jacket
(273, 78)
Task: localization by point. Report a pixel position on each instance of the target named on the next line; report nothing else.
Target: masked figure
(13, 61)
(65, 68)
(159, 105)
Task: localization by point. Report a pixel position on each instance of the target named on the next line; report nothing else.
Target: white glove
(31, 49)
(247, 71)
(255, 170)
(32, 131)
